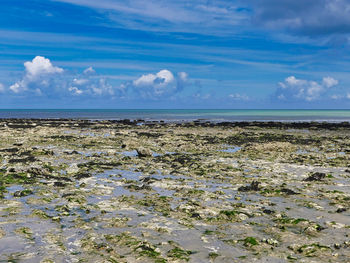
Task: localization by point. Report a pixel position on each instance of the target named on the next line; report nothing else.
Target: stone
(143, 152)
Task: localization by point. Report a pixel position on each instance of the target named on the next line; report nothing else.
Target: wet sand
(135, 191)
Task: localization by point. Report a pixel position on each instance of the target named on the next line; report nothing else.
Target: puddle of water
(231, 149)
(130, 153)
(300, 151)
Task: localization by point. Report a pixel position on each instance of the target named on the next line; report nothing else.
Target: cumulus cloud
(2, 88)
(75, 91)
(300, 89)
(159, 84)
(91, 86)
(38, 74)
(40, 66)
(41, 77)
(329, 82)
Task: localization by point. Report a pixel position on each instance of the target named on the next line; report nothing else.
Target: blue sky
(174, 54)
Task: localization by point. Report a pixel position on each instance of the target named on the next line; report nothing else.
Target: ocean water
(182, 115)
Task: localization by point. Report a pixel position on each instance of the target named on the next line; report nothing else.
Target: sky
(222, 54)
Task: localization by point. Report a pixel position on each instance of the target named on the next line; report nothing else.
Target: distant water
(183, 115)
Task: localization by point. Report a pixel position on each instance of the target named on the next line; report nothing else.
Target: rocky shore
(152, 191)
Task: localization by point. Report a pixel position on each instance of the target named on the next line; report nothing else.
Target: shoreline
(197, 122)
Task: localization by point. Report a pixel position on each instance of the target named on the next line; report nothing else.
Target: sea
(179, 115)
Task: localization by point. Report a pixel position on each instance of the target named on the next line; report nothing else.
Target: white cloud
(179, 16)
(102, 87)
(90, 85)
(336, 97)
(156, 84)
(162, 78)
(293, 88)
(75, 91)
(18, 87)
(237, 96)
(41, 77)
(80, 81)
(89, 70)
(37, 74)
(330, 82)
(183, 76)
(40, 66)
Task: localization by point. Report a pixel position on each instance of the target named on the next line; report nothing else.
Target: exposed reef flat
(138, 191)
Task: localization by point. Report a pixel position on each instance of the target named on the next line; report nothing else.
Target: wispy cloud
(166, 15)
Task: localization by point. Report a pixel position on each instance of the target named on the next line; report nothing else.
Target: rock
(72, 152)
(59, 184)
(242, 216)
(337, 246)
(315, 177)
(254, 186)
(73, 168)
(23, 160)
(79, 176)
(268, 211)
(196, 215)
(10, 150)
(39, 171)
(23, 193)
(270, 241)
(143, 152)
(341, 210)
(288, 191)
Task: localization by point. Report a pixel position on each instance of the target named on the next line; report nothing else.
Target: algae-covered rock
(143, 152)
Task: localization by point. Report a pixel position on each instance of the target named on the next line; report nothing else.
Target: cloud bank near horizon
(42, 78)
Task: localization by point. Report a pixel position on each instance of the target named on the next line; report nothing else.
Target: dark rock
(23, 160)
(268, 211)
(39, 171)
(72, 152)
(288, 191)
(138, 188)
(196, 215)
(149, 180)
(315, 177)
(10, 150)
(341, 210)
(79, 176)
(23, 193)
(11, 170)
(254, 186)
(59, 184)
